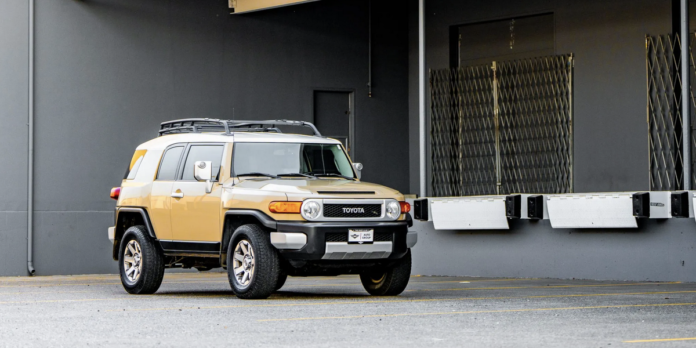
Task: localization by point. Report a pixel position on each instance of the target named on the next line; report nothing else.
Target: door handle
(178, 194)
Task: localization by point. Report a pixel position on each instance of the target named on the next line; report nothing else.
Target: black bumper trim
(316, 236)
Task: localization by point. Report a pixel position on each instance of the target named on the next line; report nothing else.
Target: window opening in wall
(504, 127)
(664, 100)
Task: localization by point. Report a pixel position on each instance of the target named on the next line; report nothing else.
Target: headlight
(311, 210)
(393, 210)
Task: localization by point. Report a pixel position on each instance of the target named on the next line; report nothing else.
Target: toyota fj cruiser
(260, 203)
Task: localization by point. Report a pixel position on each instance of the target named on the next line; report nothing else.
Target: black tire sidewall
(153, 262)
(393, 280)
(267, 269)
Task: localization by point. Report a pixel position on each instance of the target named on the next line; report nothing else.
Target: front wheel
(140, 263)
(389, 282)
(253, 265)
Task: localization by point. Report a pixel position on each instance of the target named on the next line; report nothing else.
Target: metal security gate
(663, 63)
(502, 128)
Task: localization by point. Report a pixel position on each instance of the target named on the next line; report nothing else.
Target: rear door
(195, 214)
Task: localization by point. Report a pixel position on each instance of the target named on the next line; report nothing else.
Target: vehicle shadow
(279, 295)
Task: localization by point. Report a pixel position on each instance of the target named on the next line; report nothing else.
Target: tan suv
(261, 203)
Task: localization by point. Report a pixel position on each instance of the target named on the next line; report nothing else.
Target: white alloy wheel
(244, 263)
(133, 261)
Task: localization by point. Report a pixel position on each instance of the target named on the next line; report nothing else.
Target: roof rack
(200, 125)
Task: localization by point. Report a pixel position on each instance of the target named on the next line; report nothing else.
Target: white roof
(246, 137)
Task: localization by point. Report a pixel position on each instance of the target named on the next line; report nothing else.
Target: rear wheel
(141, 263)
(253, 266)
(388, 282)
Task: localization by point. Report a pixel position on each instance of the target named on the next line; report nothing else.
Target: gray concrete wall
(656, 251)
(109, 71)
(14, 94)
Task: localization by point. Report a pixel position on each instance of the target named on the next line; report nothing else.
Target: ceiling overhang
(246, 6)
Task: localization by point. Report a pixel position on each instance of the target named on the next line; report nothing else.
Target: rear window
(137, 159)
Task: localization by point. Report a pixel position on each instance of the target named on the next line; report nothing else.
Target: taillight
(285, 207)
(115, 192)
(405, 207)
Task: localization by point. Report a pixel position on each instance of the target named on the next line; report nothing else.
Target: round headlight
(311, 210)
(393, 210)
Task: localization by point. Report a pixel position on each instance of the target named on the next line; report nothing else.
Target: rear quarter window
(135, 164)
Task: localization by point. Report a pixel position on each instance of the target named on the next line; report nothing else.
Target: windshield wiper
(338, 175)
(258, 174)
(298, 174)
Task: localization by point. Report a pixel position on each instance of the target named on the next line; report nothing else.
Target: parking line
(225, 281)
(480, 312)
(395, 301)
(546, 286)
(43, 292)
(104, 284)
(412, 282)
(663, 340)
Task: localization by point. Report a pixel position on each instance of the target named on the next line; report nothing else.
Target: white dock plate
(591, 210)
(472, 213)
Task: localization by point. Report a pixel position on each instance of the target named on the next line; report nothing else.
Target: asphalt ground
(199, 310)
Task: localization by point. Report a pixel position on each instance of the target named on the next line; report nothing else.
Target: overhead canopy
(245, 6)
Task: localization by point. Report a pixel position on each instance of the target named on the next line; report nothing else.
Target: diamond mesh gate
(663, 64)
(502, 128)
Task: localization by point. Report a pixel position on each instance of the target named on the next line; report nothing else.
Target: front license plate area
(361, 236)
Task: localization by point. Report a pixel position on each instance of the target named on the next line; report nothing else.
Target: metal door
(333, 116)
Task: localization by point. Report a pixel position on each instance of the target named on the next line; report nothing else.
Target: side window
(211, 153)
(134, 164)
(170, 161)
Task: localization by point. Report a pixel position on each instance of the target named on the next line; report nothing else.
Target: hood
(303, 187)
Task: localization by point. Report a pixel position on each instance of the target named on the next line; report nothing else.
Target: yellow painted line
(73, 300)
(394, 301)
(546, 286)
(663, 340)
(43, 292)
(481, 312)
(225, 281)
(104, 284)
(290, 282)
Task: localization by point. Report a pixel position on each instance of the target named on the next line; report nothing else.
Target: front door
(333, 116)
(195, 213)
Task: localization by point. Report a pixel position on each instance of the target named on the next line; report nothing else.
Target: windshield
(291, 158)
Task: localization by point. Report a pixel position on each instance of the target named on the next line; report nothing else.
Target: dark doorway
(503, 39)
(333, 116)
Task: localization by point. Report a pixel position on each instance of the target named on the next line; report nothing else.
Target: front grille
(364, 210)
(343, 237)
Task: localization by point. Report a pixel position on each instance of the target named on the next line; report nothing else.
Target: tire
(253, 266)
(389, 282)
(140, 262)
(281, 281)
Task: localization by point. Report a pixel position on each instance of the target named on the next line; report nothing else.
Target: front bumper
(317, 247)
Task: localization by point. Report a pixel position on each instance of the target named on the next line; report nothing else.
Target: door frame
(351, 117)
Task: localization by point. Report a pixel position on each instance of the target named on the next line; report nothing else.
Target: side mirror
(358, 169)
(203, 171)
